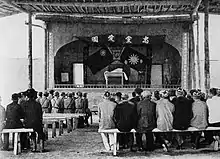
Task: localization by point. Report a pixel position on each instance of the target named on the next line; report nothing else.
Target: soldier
(69, 104)
(45, 103)
(86, 108)
(79, 103)
(62, 98)
(56, 103)
(33, 117)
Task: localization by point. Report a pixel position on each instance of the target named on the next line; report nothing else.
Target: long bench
(71, 120)
(17, 142)
(190, 129)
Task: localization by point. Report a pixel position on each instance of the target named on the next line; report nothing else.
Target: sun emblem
(133, 59)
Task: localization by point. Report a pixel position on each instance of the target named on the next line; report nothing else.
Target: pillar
(30, 62)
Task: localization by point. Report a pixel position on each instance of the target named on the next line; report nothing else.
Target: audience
(105, 113)
(2, 121)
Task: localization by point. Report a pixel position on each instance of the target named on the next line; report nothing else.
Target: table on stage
(114, 74)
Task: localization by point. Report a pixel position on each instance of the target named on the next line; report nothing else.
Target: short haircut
(133, 94)
(213, 91)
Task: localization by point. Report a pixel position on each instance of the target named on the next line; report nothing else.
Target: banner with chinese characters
(112, 39)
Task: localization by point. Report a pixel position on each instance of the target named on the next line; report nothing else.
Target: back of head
(31, 93)
(70, 95)
(172, 93)
(164, 94)
(40, 94)
(79, 94)
(63, 94)
(197, 94)
(84, 95)
(133, 94)
(146, 94)
(14, 97)
(125, 96)
(138, 91)
(56, 94)
(107, 95)
(46, 94)
(179, 92)
(51, 91)
(213, 91)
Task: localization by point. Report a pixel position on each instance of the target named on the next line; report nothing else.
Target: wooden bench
(190, 129)
(71, 120)
(17, 132)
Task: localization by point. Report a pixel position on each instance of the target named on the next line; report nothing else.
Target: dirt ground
(86, 143)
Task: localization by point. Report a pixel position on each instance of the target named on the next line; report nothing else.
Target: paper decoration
(128, 40)
(111, 38)
(95, 39)
(146, 40)
(133, 59)
(64, 77)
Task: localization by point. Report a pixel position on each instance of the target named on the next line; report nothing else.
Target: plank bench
(190, 129)
(17, 132)
(71, 120)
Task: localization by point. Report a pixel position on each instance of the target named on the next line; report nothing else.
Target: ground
(86, 143)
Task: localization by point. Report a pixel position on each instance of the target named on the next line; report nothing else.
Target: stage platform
(96, 91)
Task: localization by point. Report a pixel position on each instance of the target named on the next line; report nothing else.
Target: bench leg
(60, 127)
(91, 119)
(69, 128)
(16, 144)
(54, 129)
(115, 145)
(46, 131)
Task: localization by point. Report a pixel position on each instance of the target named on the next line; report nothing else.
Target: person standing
(62, 98)
(14, 114)
(2, 121)
(45, 103)
(56, 103)
(105, 113)
(86, 108)
(40, 94)
(33, 118)
(69, 104)
(79, 103)
(146, 110)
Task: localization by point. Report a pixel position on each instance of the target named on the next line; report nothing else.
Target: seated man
(14, 114)
(125, 118)
(182, 114)
(146, 110)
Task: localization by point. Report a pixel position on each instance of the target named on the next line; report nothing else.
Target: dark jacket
(146, 110)
(14, 113)
(125, 116)
(33, 114)
(182, 113)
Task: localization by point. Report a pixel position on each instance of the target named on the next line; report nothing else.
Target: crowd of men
(27, 108)
(162, 110)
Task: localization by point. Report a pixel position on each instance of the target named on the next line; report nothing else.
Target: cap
(138, 90)
(164, 93)
(31, 93)
(124, 96)
(146, 94)
(107, 94)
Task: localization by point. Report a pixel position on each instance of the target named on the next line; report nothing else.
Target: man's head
(63, 94)
(107, 95)
(56, 94)
(133, 94)
(31, 93)
(85, 95)
(118, 96)
(70, 95)
(146, 94)
(180, 92)
(51, 92)
(164, 94)
(197, 94)
(138, 91)
(212, 92)
(46, 94)
(40, 94)
(124, 96)
(79, 94)
(14, 97)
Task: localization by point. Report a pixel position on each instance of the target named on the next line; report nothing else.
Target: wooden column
(197, 54)
(190, 58)
(206, 46)
(46, 58)
(192, 81)
(30, 64)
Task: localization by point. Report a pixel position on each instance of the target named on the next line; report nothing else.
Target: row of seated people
(55, 102)
(164, 110)
(25, 115)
